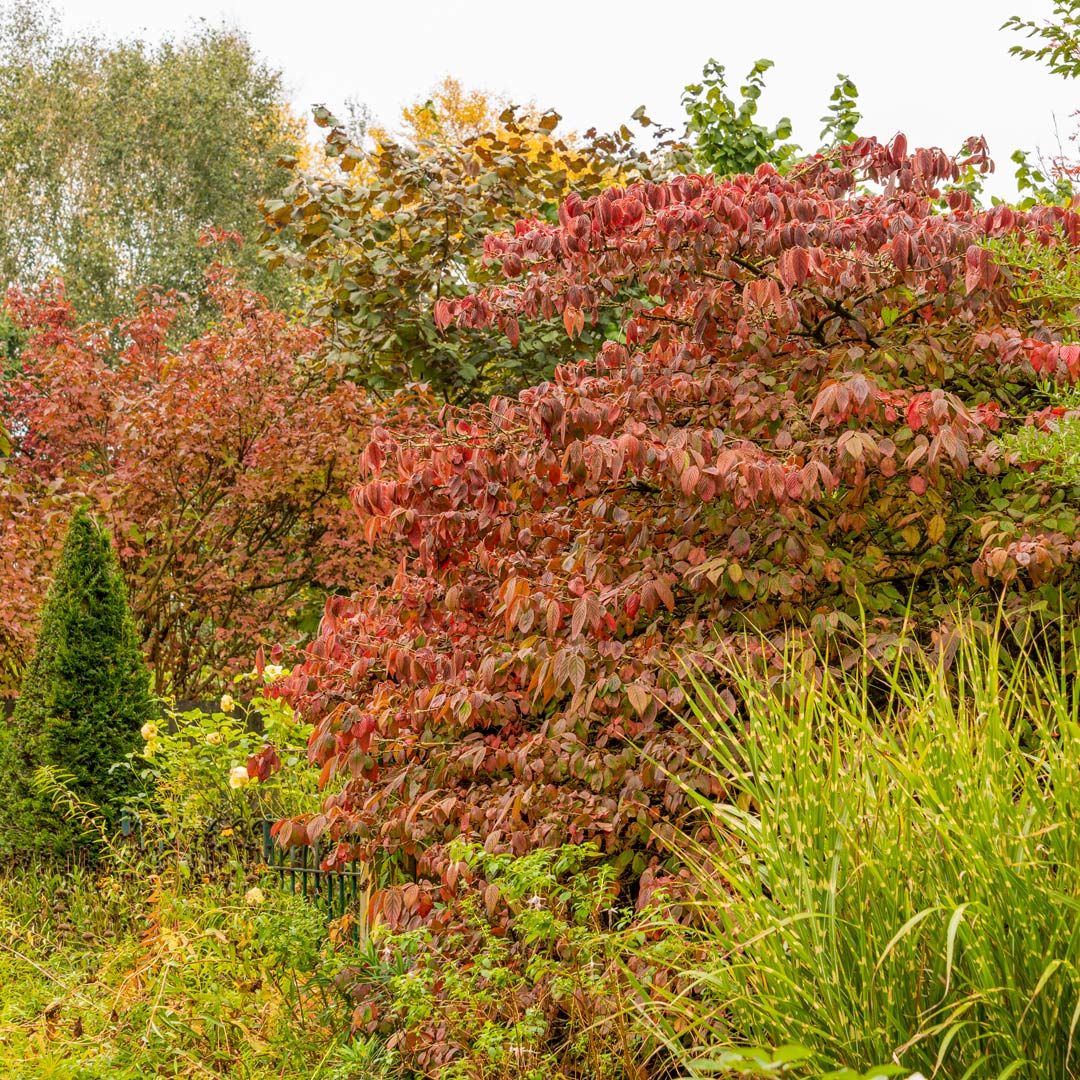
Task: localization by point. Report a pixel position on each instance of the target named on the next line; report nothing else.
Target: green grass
(894, 876)
(120, 976)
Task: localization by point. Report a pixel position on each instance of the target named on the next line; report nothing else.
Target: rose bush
(208, 775)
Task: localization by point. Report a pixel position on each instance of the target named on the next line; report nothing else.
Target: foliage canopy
(116, 156)
(795, 432)
(222, 466)
(726, 137)
(401, 226)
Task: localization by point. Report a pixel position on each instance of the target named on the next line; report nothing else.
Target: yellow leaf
(639, 697)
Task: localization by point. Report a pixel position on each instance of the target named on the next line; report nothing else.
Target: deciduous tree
(401, 226)
(727, 138)
(114, 156)
(222, 468)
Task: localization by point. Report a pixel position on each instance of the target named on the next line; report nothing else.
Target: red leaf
(901, 250)
(263, 764)
(973, 262)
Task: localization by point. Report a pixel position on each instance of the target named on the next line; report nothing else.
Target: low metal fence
(341, 894)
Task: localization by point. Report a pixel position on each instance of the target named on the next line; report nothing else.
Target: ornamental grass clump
(893, 872)
(84, 698)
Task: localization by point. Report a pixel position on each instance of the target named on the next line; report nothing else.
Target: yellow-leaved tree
(393, 221)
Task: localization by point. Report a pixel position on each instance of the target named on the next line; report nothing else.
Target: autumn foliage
(795, 434)
(397, 226)
(221, 467)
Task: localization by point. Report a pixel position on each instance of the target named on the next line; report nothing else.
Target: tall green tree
(115, 156)
(85, 696)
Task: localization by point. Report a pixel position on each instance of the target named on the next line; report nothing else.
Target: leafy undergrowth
(121, 976)
(889, 881)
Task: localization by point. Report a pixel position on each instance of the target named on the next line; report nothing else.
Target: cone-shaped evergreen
(85, 695)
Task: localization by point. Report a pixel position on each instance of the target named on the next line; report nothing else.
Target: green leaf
(900, 934)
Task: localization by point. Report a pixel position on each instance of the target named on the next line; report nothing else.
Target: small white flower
(148, 730)
(254, 896)
(536, 903)
(272, 672)
(214, 738)
(238, 776)
(227, 703)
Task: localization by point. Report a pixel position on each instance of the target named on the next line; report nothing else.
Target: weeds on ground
(111, 974)
(178, 961)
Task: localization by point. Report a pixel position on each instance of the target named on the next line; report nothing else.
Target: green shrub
(518, 973)
(84, 698)
(894, 882)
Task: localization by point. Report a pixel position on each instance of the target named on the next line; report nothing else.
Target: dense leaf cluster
(222, 467)
(401, 225)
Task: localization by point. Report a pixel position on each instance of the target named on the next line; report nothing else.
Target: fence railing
(340, 893)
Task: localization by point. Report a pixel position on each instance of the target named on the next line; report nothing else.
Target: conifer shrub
(84, 698)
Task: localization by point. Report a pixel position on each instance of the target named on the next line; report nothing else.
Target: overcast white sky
(937, 71)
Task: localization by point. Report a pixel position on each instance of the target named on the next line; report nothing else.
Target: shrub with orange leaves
(222, 468)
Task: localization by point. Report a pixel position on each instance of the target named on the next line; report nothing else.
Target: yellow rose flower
(227, 703)
(148, 730)
(238, 776)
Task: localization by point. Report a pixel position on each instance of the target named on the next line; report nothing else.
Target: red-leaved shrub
(795, 434)
(222, 468)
